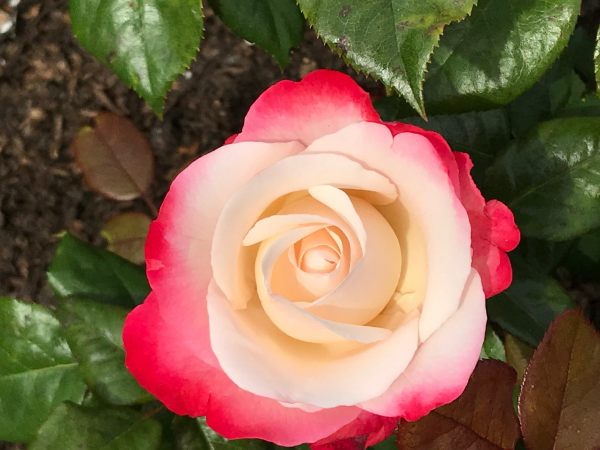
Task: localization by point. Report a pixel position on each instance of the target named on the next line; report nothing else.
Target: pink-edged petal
(261, 359)
(412, 163)
(440, 145)
(179, 241)
(163, 356)
(366, 430)
(166, 357)
(505, 234)
(493, 231)
(235, 414)
(440, 370)
(322, 103)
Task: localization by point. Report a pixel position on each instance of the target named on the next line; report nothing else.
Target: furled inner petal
(246, 206)
(338, 201)
(319, 262)
(372, 281)
(289, 317)
(428, 196)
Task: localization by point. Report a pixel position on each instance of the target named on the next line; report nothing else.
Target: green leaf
(93, 331)
(274, 25)
(492, 348)
(550, 180)
(72, 427)
(583, 259)
(147, 43)
(480, 134)
(388, 444)
(500, 51)
(391, 40)
(214, 441)
(80, 269)
(559, 92)
(544, 256)
(597, 62)
(528, 306)
(37, 371)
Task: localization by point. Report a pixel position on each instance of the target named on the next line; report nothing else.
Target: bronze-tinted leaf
(115, 158)
(126, 235)
(560, 397)
(482, 418)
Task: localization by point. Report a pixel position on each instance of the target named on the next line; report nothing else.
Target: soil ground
(50, 87)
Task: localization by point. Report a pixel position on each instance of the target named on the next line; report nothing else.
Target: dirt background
(50, 88)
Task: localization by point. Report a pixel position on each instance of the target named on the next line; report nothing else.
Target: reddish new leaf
(126, 235)
(115, 158)
(559, 403)
(482, 418)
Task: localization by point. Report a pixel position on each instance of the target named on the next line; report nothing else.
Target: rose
(320, 275)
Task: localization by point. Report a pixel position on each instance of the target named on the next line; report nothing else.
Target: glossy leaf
(274, 25)
(559, 400)
(528, 306)
(499, 52)
(391, 40)
(126, 235)
(583, 259)
(93, 331)
(597, 62)
(147, 43)
(561, 88)
(550, 180)
(72, 427)
(214, 441)
(544, 256)
(480, 134)
(80, 269)
(492, 348)
(115, 158)
(518, 354)
(37, 370)
(481, 418)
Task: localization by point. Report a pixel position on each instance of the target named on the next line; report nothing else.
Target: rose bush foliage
(319, 276)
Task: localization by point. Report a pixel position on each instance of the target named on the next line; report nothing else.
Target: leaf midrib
(552, 179)
(63, 366)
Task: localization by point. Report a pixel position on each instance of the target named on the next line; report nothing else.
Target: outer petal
(264, 360)
(440, 145)
(179, 241)
(164, 357)
(366, 430)
(425, 190)
(322, 103)
(493, 231)
(441, 367)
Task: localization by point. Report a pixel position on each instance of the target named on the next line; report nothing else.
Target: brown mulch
(50, 87)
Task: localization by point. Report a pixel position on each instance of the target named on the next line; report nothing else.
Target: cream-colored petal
(425, 191)
(272, 225)
(338, 201)
(261, 359)
(372, 282)
(245, 207)
(292, 319)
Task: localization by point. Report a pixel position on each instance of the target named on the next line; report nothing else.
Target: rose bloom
(319, 276)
